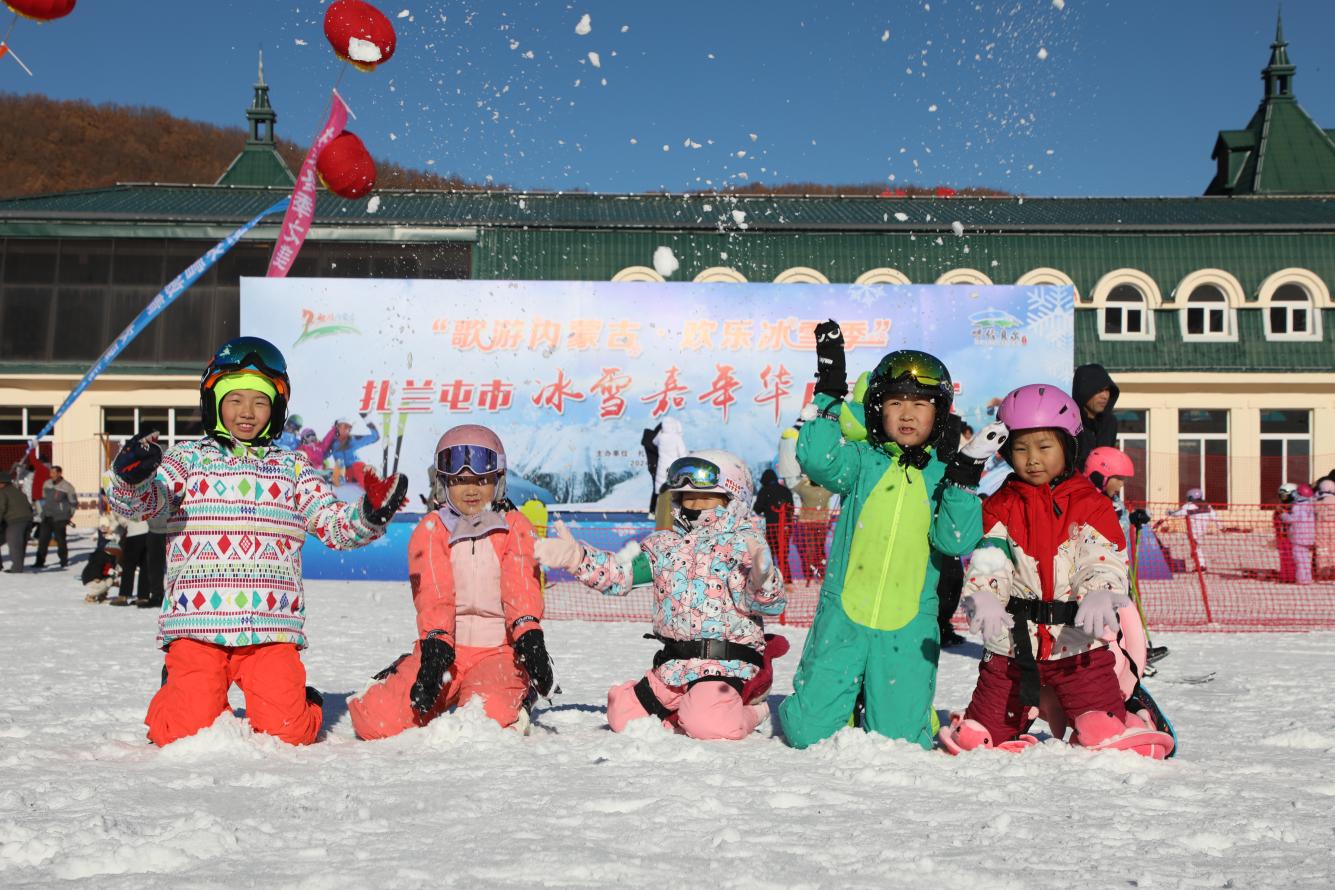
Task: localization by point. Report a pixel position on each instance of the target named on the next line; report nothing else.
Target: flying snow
(362, 50)
(1042, 52)
(373, 205)
(665, 261)
(595, 60)
(585, 25)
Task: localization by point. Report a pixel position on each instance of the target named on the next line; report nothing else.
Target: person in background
(101, 573)
(290, 437)
(59, 504)
(134, 561)
(1199, 516)
(651, 463)
(340, 444)
(35, 480)
(774, 504)
(1096, 394)
(813, 524)
(671, 445)
(16, 514)
(1295, 532)
(153, 575)
(1323, 505)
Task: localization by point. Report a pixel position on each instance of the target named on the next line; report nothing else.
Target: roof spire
(261, 83)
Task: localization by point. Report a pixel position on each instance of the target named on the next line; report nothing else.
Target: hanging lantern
(42, 10)
(346, 167)
(359, 33)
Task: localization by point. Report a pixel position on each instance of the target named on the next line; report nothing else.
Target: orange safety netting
(1235, 567)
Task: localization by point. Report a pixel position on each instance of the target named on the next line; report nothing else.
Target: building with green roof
(1213, 313)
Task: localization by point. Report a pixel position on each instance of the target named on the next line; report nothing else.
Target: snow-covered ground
(1250, 801)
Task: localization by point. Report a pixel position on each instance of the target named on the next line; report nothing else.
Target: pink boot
(1100, 731)
(963, 734)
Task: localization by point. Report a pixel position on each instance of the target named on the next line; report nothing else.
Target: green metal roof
(1282, 151)
(258, 164)
(157, 203)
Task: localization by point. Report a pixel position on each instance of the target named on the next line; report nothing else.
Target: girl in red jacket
(479, 606)
(1044, 590)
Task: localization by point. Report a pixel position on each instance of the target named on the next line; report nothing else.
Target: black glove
(831, 370)
(383, 497)
(138, 460)
(1139, 518)
(437, 657)
(531, 653)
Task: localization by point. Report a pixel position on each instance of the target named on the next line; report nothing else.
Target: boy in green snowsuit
(909, 502)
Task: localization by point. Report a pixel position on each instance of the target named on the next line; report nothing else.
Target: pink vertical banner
(301, 211)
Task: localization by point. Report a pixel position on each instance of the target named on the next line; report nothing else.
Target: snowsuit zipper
(889, 549)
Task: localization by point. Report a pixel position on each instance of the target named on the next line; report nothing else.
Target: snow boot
(1154, 653)
(964, 734)
(1101, 731)
(1143, 705)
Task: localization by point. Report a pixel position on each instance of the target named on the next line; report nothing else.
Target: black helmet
(908, 372)
(254, 355)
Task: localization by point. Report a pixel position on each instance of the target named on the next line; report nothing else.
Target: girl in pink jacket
(714, 583)
(479, 607)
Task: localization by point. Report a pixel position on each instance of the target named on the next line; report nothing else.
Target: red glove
(384, 497)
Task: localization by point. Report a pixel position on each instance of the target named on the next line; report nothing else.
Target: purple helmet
(1039, 406)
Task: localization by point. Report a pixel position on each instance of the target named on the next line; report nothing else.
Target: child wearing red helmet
(479, 604)
(1043, 589)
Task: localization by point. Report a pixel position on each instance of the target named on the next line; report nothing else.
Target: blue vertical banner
(177, 286)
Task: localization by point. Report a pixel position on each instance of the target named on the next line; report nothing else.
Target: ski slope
(1250, 801)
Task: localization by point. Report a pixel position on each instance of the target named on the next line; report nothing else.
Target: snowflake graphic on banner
(1051, 319)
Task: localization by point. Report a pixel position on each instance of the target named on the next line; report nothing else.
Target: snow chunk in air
(585, 25)
(665, 261)
(362, 50)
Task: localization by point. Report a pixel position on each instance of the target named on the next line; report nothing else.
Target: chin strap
(916, 457)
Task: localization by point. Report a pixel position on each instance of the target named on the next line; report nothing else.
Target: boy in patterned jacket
(238, 511)
(714, 584)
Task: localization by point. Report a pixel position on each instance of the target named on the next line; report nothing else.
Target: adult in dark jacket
(1094, 391)
(16, 514)
(774, 503)
(651, 462)
(59, 503)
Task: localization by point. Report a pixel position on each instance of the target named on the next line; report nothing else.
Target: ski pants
(894, 669)
(1082, 683)
(16, 540)
(1302, 564)
(134, 560)
(198, 675)
(703, 710)
(490, 673)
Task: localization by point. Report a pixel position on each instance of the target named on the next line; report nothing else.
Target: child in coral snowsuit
(906, 510)
(714, 584)
(239, 509)
(479, 605)
(1044, 589)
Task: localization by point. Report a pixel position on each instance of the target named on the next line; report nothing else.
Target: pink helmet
(1305, 490)
(472, 447)
(1109, 462)
(1039, 406)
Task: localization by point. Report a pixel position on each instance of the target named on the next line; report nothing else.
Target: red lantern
(944, 191)
(42, 10)
(346, 167)
(359, 33)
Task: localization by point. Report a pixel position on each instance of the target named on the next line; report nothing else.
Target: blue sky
(1081, 97)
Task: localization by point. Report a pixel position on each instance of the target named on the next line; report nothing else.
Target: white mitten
(560, 552)
(1098, 609)
(987, 617)
(987, 441)
(761, 566)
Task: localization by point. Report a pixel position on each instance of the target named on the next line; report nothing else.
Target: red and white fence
(1238, 571)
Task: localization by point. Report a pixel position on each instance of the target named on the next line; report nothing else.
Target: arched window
(883, 275)
(801, 275)
(965, 276)
(1206, 314)
(1125, 314)
(637, 273)
(1048, 276)
(1126, 300)
(1290, 314)
(721, 273)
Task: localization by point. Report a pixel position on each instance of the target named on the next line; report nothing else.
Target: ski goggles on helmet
(475, 459)
(249, 354)
(915, 367)
(694, 472)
